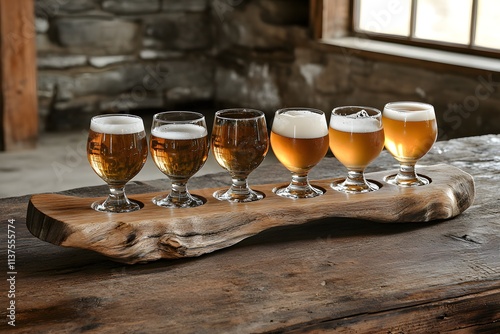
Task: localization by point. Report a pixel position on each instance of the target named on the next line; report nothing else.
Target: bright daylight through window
(464, 24)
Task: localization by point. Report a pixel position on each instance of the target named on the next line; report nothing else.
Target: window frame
(320, 14)
(412, 40)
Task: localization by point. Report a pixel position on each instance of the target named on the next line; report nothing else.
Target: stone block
(159, 54)
(179, 31)
(60, 61)
(243, 26)
(55, 85)
(41, 25)
(184, 5)
(97, 35)
(127, 102)
(133, 7)
(52, 8)
(254, 86)
(103, 61)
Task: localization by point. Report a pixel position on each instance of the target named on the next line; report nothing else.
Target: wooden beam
(18, 94)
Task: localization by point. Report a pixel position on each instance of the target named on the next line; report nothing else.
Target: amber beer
(299, 139)
(179, 150)
(239, 146)
(410, 130)
(356, 142)
(117, 147)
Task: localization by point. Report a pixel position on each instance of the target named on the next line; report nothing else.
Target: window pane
(488, 24)
(385, 16)
(444, 20)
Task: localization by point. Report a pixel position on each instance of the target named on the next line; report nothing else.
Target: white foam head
(117, 124)
(358, 123)
(179, 131)
(300, 123)
(409, 111)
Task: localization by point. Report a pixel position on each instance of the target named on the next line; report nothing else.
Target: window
(462, 25)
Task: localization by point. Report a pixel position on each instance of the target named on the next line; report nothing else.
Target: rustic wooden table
(341, 275)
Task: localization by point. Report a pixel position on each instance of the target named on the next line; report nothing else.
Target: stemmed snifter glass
(299, 139)
(410, 132)
(117, 150)
(239, 143)
(356, 139)
(179, 147)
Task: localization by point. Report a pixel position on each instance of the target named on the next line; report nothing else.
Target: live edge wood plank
(155, 232)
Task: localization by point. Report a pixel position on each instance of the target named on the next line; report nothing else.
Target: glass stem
(179, 193)
(355, 179)
(407, 173)
(239, 186)
(299, 182)
(117, 197)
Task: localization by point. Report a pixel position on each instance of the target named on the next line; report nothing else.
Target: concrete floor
(60, 163)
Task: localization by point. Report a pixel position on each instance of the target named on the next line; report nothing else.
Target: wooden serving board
(154, 232)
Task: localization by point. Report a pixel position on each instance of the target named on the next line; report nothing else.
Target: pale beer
(356, 142)
(117, 147)
(179, 150)
(299, 139)
(410, 130)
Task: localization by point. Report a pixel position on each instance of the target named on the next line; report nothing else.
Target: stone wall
(98, 56)
(108, 55)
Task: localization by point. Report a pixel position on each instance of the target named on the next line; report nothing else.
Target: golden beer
(409, 132)
(179, 150)
(240, 145)
(356, 139)
(117, 148)
(299, 154)
(355, 150)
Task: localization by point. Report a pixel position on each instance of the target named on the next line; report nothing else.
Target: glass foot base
(345, 187)
(231, 196)
(290, 192)
(106, 207)
(167, 201)
(419, 181)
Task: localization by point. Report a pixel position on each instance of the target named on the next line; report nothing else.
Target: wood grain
(155, 232)
(18, 94)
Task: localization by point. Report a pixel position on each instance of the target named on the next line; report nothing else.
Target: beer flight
(117, 149)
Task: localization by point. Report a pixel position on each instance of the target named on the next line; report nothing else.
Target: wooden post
(18, 94)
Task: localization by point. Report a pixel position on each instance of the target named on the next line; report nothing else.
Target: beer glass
(356, 139)
(410, 132)
(179, 147)
(239, 143)
(299, 139)
(117, 150)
